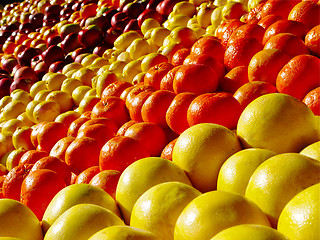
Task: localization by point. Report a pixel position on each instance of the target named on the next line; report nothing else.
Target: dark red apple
(55, 8)
(165, 7)
(79, 51)
(36, 20)
(25, 73)
(133, 9)
(70, 43)
(99, 50)
(26, 26)
(8, 63)
(120, 20)
(150, 13)
(5, 84)
(24, 57)
(52, 54)
(132, 25)
(53, 40)
(22, 83)
(90, 37)
(35, 60)
(111, 35)
(152, 4)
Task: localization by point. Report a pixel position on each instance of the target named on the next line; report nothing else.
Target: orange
(32, 156)
(11, 187)
(209, 45)
(105, 121)
(252, 90)
(107, 180)
(150, 135)
(219, 108)
(59, 149)
(99, 132)
(154, 75)
(135, 104)
(133, 92)
(115, 89)
(83, 153)
(126, 91)
(122, 130)
(229, 29)
(167, 80)
(119, 152)
(34, 133)
(50, 133)
(253, 15)
(278, 7)
(247, 30)
(86, 175)
(312, 100)
(155, 107)
(265, 65)
(184, 80)
(285, 26)
(38, 189)
(299, 76)
(176, 115)
(288, 43)
(179, 56)
(55, 164)
(75, 125)
(67, 117)
(312, 40)
(167, 150)
(234, 79)
(240, 52)
(113, 108)
(266, 21)
(307, 12)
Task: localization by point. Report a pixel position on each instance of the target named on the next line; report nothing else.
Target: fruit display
(160, 120)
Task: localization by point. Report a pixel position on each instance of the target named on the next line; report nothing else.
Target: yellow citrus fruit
(123, 233)
(64, 100)
(71, 66)
(23, 117)
(84, 75)
(142, 175)
(158, 209)
(300, 218)
(37, 87)
(131, 69)
(4, 101)
(215, 211)
(250, 231)
(313, 150)
(54, 80)
(236, 171)
(201, 150)
(125, 39)
(286, 125)
(46, 111)
(184, 7)
(78, 93)
(29, 109)
(280, 178)
(69, 84)
(148, 24)
(88, 60)
(138, 48)
(10, 238)
(81, 222)
(11, 125)
(21, 95)
(17, 220)
(41, 95)
(13, 110)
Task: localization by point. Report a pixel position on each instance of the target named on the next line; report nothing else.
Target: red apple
(132, 25)
(90, 37)
(133, 9)
(149, 13)
(24, 57)
(152, 4)
(165, 7)
(25, 73)
(120, 20)
(8, 63)
(79, 51)
(111, 35)
(36, 20)
(5, 84)
(22, 83)
(100, 49)
(70, 42)
(53, 40)
(53, 54)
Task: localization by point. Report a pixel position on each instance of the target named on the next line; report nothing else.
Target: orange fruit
(132, 93)
(32, 156)
(167, 150)
(55, 164)
(115, 89)
(119, 152)
(285, 26)
(99, 132)
(38, 189)
(155, 107)
(11, 186)
(288, 43)
(59, 149)
(253, 15)
(312, 40)
(107, 180)
(105, 121)
(299, 76)
(252, 90)
(234, 79)
(167, 80)
(135, 104)
(229, 29)
(150, 135)
(246, 30)
(219, 108)
(122, 130)
(75, 125)
(176, 115)
(154, 75)
(50, 133)
(86, 175)
(266, 21)
(113, 108)
(126, 91)
(312, 100)
(184, 80)
(306, 12)
(179, 56)
(34, 133)
(82, 153)
(240, 52)
(278, 7)
(265, 65)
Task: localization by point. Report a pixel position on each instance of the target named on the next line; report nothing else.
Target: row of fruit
(160, 119)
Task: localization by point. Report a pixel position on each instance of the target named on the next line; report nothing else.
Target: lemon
(37, 87)
(280, 178)
(123, 233)
(138, 48)
(286, 125)
(46, 111)
(184, 7)
(142, 175)
(64, 100)
(84, 75)
(54, 81)
(148, 24)
(13, 110)
(158, 209)
(71, 66)
(29, 109)
(300, 218)
(313, 150)
(201, 150)
(236, 171)
(125, 39)
(69, 84)
(21, 95)
(215, 211)
(250, 231)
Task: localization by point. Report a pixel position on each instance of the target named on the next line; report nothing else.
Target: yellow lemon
(215, 211)
(158, 209)
(71, 66)
(13, 110)
(88, 60)
(184, 7)
(46, 111)
(100, 62)
(158, 35)
(41, 95)
(249, 231)
(131, 69)
(142, 175)
(280, 178)
(4, 101)
(37, 87)
(11, 125)
(64, 100)
(313, 150)
(148, 24)
(125, 39)
(300, 218)
(286, 125)
(54, 81)
(23, 117)
(21, 138)
(21, 95)
(236, 171)
(138, 48)
(78, 93)
(30, 108)
(84, 75)
(201, 150)
(152, 59)
(69, 84)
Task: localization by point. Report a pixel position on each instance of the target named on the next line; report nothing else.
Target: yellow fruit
(71, 66)
(142, 175)
(201, 150)
(13, 110)
(41, 95)
(124, 56)
(62, 117)
(21, 138)
(312, 150)
(131, 69)
(280, 178)
(4, 101)
(215, 211)
(184, 7)
(286, 125)
(249, 231)
(29, 109)
(17, 220)
(158, 209)
(204, 14)
(84, 75)
(64, 100)
(73, 195)
(54, 81)
(138, 48)
(157, 35)
(117, 67)
(100, 62)
(300, 218)
(236, 171)
(11, 125)
(125, 39)
(78, 93)
(23, 117)
(10, 238)
(69, 84)
(176, 21)
(81, 222)
(37, 87)
(21, 95)
(152, 59)
(46, 111)
(148, 24)
(88, 60)
(6, 138)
